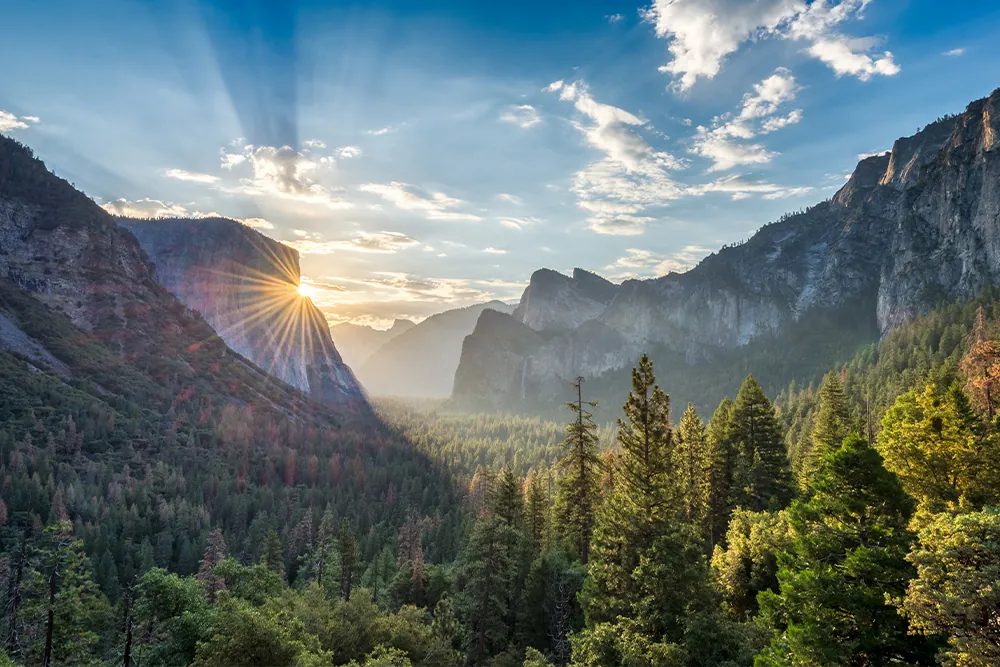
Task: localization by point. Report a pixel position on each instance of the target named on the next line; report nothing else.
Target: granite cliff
(245, 285)
(911, 228)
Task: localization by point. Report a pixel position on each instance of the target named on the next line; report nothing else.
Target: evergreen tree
(347, 551)
(848, 556)
(981, 367)
(537, 508)
(215, 552)
(721, 471)
(830, 426)
(485, 578)
(642, 501)
(273, 553)
(691, 468)
(579, 485)
(762, 479)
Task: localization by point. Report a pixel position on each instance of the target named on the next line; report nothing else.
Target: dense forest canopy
(140, 530)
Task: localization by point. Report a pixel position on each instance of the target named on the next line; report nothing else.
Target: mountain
(357, 342)
(124, 411)
(245, 285)
(421, 361)
(911, 228)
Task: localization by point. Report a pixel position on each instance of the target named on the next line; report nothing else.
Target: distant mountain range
(420, 361)
(357, 342)
(911, 228)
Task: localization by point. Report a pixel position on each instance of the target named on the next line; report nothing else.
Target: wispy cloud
(374, 242)
(953, 53)
(432, 205)
(524, 115)
(509, 198)
(639, 263)
(518, 223)
(613, 18)
(284, 173)
(9, 122)
(182, 175)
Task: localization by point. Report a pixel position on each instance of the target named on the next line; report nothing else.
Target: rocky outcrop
(357, 342)
(246, 286)
(422, 361)
(910, 228)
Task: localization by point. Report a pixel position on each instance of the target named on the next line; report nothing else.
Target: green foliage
(955, 592)
(691, 465)
(748, 565)
(579, 484)
(848, 555)
(762, 479)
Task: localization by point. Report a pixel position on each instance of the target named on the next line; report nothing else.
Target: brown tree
(981, 366)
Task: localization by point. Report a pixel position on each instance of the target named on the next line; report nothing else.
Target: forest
(852, 521)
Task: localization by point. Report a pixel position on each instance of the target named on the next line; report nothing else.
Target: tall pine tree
(691, 468)
(762, 478)
(721, 472)
(580, 483)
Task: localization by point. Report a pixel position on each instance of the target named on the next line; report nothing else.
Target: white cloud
(10, 122)
(740, 187)
(348, 152)
(388, 129)
(639, 262)
(375, 242)
(721, 143)
(703, 33)
(518, 223)
(182, 175)
(283, 172)
(614, 18)
(865, 156)
(433, 205)
(523, 115)
(495, 251)
(154, 208)
(509, 198)
(632, 175)
(954, 52)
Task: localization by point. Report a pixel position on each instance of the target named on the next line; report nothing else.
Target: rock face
(910, 228)
(357, 342)
(246, 286)
(421, 362)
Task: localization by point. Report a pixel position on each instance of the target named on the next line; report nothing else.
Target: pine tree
(721, 472)
(762, 480)
(642, 501)
(273, 553)
(848, 556)
(485, 577)
(579, 486)
(347, 550)
(830, 426)
(981, 367)
(691, 466)
(537, 512)
(215, 552)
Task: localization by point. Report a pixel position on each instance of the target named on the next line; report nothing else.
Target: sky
(428, 155)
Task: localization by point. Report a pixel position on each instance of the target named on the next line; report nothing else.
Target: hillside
(357, 342)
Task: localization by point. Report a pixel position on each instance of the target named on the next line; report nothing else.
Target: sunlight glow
(306, 290)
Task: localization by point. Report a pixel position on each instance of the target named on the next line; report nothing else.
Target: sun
(306, 290)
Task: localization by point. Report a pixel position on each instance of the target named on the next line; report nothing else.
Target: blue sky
(427, 155)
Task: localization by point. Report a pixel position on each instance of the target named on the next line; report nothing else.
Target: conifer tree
(981, 367)
(347, 551)
(273, 554)
(830, 426)
(537, 509)
(691, 467)
(579, 486)
(721, 471)
(848, 556)
(762, 479)
(642, 501)
(485, 578)
(215, 552)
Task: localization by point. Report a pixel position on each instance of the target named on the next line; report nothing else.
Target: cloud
(523, 115)
(145, 208)
(9, 122)
(741, 187)
(613, 18)
(518, 223)
(509, 198)
(495, 251)
(182, 175)
(313, 143)
(703, 33)
(723, 143)
(376, 242)
(432, 205)
(954, 52)
(388, 129)
(348, 152)
(865, 156)
(640, 262)
(283, 172)
(631, 177)
(256, 223)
